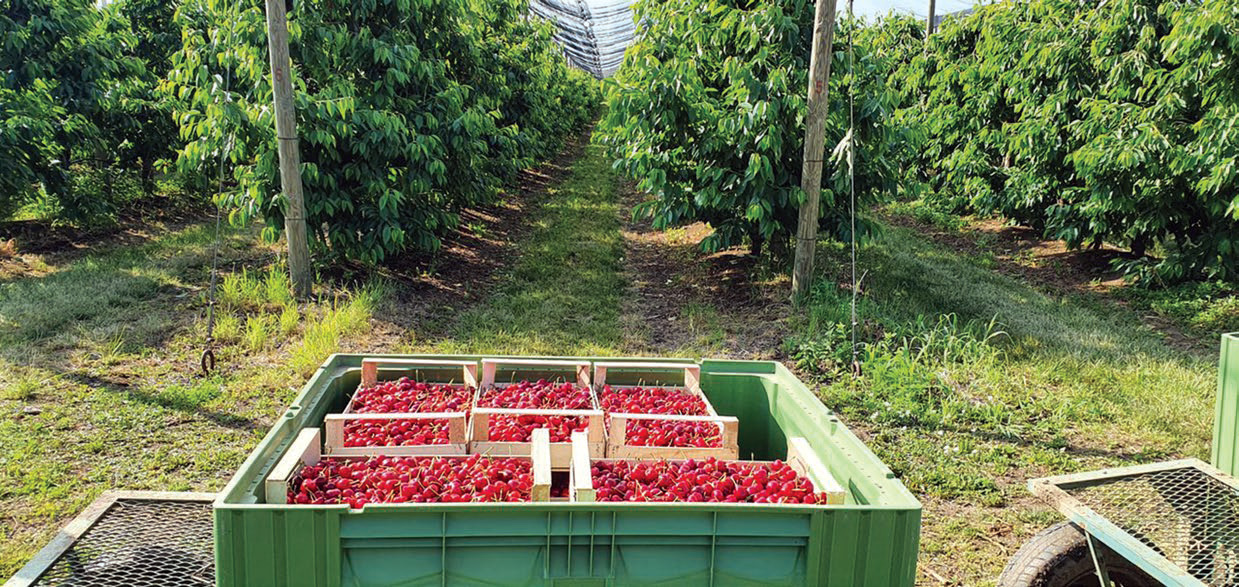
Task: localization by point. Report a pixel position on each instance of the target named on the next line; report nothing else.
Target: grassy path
(562, 293)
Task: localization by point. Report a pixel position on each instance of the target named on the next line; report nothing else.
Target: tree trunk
(107, 184)
(756, 240)
(148, 176)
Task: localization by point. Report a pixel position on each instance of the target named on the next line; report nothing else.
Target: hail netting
(593, 33)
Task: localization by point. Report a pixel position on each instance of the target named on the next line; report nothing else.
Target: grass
(341, 317)
(1202, 308)
(928, 214)
(973, 382)
(563, 293)
(99, 379)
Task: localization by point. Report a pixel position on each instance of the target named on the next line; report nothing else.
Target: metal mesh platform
(1185, 512)
(131, 540)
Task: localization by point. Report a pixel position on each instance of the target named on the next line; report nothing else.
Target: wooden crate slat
(617, 446)
(370, 368)
(457, 435)
(580, 477)
(540, 453)
(802, 458)
(304, 450)
(579, 368)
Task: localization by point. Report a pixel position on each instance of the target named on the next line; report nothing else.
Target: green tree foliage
(60, 58)
(707, 114)
(407, 111)
(1094, 122)
(139, 124)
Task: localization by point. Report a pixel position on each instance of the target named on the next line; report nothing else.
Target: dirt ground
(671, 283)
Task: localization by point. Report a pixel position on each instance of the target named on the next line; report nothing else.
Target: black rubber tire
(1058, 557)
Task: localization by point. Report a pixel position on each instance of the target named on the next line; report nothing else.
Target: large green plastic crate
(871, 540)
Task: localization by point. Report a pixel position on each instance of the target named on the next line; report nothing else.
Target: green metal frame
(1225, 457)
(1054, 490)
(872, 539)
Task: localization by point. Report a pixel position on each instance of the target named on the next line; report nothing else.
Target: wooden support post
(814, 146)
(290, 157)
(580, 480)
(540, 455)
(929, 22)
(306, 449)
(804, 460)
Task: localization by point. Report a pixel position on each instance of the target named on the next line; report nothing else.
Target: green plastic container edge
(872, 540)
(1225, 454)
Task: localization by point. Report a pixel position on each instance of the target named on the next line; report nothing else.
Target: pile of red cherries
(662, 400)
(535, 395)
(404, 396)
(358, 482)
(708, 480)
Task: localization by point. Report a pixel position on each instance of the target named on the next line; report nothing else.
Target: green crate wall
(1226, 415)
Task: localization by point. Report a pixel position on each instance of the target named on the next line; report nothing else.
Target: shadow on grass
(186, 403)
(562, 293)
(1078, 381)
(906, 277)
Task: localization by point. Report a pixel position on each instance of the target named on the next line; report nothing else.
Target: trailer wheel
(1058, 557)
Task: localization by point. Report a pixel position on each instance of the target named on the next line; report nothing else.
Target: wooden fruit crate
(618, 448)
(305, 450)
(370, 373)
(333, 424)
(494, 370)
(617, 421)
(800, 457)
(690, 372)
(560, 452)
(691, 375)
(457, 443)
